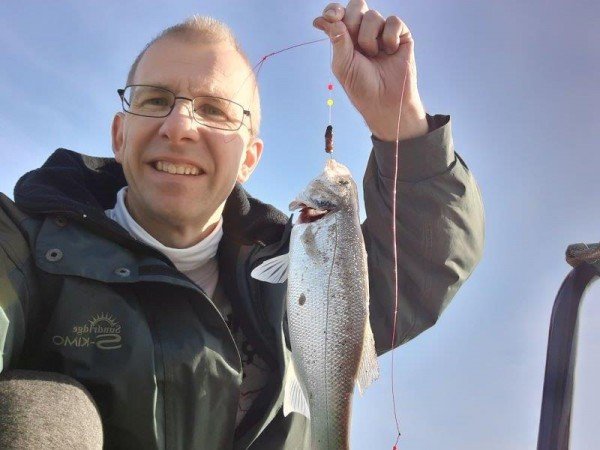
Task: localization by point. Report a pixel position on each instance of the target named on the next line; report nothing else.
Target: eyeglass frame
(121, 93)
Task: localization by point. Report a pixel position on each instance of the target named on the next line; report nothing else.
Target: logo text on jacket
(101, 331)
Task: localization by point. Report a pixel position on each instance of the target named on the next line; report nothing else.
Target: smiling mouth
(177, 169)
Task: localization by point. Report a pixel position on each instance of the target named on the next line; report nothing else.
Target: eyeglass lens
(153, 101)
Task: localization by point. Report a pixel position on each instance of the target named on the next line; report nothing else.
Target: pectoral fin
(274, 270)
(294, 399)
(368, 368)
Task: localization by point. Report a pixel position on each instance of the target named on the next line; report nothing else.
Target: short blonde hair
(208, 30)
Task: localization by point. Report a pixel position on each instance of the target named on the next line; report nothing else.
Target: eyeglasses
(214, 112)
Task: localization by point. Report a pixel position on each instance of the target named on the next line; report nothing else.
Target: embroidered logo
(102, 331)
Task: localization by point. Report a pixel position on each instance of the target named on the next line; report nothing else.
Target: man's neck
(178, 237)
(175, 235)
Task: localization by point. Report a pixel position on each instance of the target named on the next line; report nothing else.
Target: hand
(372, 56)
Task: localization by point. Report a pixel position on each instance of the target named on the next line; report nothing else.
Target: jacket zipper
(253, 286)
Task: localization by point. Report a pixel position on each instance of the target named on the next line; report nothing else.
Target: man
(131, 274)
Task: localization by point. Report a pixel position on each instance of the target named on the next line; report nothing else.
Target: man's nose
(180, 124)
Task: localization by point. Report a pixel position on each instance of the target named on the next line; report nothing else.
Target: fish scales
(327, 328)
(327, 307)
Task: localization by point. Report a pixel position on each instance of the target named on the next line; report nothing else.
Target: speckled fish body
(328, 305)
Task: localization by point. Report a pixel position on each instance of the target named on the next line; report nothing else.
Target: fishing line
(255, 70)
(395, 271)
(329, 129)
(258, 66)
(335, 245)
(329, 148)
(330, 85)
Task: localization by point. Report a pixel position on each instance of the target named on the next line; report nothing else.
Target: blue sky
(518, 79)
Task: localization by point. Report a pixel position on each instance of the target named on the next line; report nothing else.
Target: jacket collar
(82, 187)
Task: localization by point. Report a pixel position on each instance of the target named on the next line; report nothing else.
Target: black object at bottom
(555, 419)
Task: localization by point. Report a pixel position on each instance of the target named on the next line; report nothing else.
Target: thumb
(343, 47)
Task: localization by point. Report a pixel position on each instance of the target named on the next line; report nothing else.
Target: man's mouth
(177, 169)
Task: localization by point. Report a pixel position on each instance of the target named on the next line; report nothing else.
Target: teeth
(164, 166)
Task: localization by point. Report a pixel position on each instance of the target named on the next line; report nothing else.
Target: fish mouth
(310, 212)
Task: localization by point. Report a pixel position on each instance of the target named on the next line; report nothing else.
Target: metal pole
(555, 419)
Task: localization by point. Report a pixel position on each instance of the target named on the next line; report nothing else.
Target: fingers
(334, 12)
(390, 38)
(368, 29)
(395, 33)
(371, 27)
(353, 17)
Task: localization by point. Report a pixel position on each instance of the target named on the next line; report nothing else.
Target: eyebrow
(205, 91)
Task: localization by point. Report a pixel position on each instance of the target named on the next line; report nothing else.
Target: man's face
(222, 157)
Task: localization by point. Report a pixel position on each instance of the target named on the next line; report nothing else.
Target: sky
(519, 82)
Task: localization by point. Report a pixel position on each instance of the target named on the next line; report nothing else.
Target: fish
(332, 344)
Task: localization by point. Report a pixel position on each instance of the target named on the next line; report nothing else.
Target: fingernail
(331, 13)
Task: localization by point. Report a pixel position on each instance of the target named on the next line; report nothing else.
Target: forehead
(193, 68)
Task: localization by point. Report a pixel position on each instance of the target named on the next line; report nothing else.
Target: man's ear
(117, 134)
(250, 159)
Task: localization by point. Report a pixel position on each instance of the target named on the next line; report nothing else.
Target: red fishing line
(291, 47)
(256, 69)
(395, 185)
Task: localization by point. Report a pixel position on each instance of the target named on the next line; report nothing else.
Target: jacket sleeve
(17, 286)
(439, 231)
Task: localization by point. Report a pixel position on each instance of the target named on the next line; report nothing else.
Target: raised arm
(439, 229)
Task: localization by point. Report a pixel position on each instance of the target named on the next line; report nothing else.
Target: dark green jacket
(80, 296)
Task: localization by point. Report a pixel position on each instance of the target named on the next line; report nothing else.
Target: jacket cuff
(421, 157)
